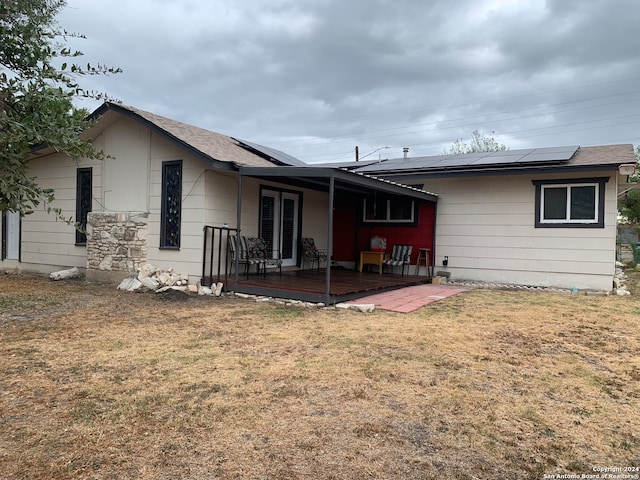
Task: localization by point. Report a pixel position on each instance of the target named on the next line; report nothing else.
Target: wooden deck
(309, 285)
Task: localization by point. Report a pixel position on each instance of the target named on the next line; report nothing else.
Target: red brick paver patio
(409, 299)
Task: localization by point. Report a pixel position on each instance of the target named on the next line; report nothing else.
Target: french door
(279, 223)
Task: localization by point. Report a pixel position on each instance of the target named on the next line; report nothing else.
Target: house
(168, 194)
(541, 216)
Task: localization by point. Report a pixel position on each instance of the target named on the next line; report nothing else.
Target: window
(570, 203)
(83, 203)
(380, 209)
(171, 204)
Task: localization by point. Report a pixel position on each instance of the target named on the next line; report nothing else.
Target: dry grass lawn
(101, 384)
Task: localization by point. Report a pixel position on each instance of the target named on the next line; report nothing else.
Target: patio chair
(258, 254)
(311, 253)
(252, 251)
(400, 255)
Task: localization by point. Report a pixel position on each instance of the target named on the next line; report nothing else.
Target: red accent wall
(350, 236)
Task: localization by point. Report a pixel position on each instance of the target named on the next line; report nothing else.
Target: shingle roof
(215, 146)
(604, 155)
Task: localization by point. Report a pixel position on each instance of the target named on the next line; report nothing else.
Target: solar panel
(275, 154)
(479, 159)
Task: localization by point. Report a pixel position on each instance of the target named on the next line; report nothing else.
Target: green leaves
(479, 143)
(36, 99)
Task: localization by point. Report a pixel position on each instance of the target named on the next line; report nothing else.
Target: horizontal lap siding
(48, 244)
(486, 228)
(187, 259)
(221, 198)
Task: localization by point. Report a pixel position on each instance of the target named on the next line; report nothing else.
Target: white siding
(125, 173)
(188, 259)
(486, 227)
(48, 244)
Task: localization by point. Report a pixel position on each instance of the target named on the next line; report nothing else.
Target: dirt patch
(101, 384)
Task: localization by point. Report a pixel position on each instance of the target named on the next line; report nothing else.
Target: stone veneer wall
(116, 244)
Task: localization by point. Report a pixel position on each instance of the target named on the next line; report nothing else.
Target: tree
(479, 143)
(629, 205)
(37, 89)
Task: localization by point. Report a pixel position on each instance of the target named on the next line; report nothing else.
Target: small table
(372, 258)
(423, 254)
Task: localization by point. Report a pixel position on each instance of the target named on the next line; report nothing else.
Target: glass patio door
(279, 223)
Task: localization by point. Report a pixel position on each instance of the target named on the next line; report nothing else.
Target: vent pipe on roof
(405, 150)
(357, 153)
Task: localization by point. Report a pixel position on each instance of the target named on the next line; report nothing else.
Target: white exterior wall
(187, 259)
(126, 185)
(129, 180)
(485, 225)
(316, 212)
(49, 244)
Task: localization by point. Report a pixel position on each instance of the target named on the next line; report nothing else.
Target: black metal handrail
(214, 238)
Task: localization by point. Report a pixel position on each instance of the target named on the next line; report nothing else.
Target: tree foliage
(629, 205)
(38, 83)
(479, 143)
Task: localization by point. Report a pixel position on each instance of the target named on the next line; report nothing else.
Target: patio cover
(328, 180)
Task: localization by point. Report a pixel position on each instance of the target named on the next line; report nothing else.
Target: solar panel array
(275, 154)
(504, 158)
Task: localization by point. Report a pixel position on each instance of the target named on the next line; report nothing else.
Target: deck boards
(311, 284)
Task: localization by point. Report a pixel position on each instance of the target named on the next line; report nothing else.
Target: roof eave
(283, 174)
(405, 176)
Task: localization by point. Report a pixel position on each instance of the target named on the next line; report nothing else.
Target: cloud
(315, 78)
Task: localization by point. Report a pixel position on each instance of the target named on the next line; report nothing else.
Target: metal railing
(215, 261)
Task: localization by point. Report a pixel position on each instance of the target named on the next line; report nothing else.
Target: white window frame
(600, 190)
(568, 219)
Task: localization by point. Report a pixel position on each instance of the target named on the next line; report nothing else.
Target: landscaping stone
(204, 290)
(130, 284)
(364, 308)
(65, 274)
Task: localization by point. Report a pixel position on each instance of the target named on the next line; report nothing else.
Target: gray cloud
(316, 78)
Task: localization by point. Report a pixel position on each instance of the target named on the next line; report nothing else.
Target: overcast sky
(315, 78)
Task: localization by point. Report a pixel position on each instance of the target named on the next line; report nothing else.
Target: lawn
(101, 384)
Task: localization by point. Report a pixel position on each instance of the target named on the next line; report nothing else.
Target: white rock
(149, 283)
(204, 290)
(130, 284)
(218, 290)
(65, 274)
(146, 270)
(165, 279)
(364, 308)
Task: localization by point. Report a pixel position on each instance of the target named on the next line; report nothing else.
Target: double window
(570, 203)
(171, 210)
(382, 209)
